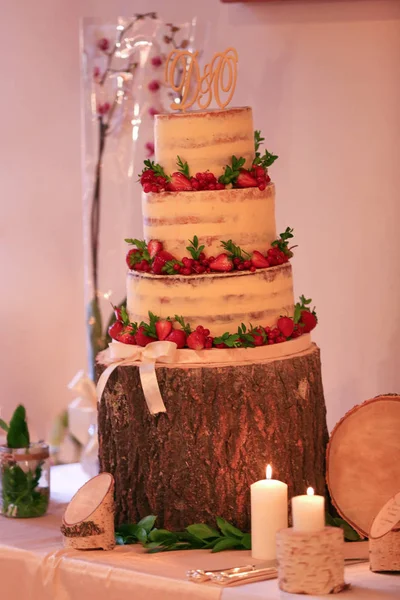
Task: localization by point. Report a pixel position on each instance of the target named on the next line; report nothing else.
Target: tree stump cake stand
(222, 426)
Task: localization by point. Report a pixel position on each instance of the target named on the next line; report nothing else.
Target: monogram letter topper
(182, 74)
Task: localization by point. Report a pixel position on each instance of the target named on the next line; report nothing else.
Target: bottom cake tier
(223, 424)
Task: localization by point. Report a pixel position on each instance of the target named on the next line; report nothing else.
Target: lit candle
(308, 512)
(269, 514)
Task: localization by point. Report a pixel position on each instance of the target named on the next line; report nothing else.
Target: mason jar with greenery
(24, 471)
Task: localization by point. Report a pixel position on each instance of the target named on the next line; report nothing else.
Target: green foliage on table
(20, 498)
(197, 536)
(350, 535)
(200, 536)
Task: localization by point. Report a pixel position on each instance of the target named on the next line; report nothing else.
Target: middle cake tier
(218, 301)
(246, 216)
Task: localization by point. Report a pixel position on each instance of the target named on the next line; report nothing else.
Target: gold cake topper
(182, 74)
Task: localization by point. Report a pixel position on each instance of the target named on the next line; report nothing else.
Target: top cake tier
(206, 139)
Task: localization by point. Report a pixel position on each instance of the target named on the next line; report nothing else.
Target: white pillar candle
(308, 512)
(269, 514)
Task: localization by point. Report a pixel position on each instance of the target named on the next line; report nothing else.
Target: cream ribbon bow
(124, 354)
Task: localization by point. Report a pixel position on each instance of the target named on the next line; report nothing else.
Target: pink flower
(103, 44)
(102, 109)
(150, 149)
(154, 86)
(96, 73)
(156, 61)
(153, 111)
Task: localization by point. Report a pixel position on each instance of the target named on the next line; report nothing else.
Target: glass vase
(24, 481)
(122, 89)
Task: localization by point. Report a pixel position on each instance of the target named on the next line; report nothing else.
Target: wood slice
(310, 562)
(363, 460)
(88, 521)
(222, 426)
(384, 552)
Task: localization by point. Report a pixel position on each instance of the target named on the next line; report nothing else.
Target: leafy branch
(282, 242)
(232, 171)
(194, 248)
(156, 168)
(185, 326)
(150, 328)
(197, 536)
(230, 340)
(183, 167)
(235, 251)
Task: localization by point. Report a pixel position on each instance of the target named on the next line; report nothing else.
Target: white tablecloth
(34, 565)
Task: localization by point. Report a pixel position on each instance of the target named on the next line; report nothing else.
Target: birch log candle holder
(88, 522)
(311, 562)
(384, 538)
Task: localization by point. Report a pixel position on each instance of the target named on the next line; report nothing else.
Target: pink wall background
(323, 80)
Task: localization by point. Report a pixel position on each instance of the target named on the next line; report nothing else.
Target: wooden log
(311, 563)
(384, 552)
(222, 426)
(363, 460)
(88, 522)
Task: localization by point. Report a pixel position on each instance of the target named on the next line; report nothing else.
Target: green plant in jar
(23, 468)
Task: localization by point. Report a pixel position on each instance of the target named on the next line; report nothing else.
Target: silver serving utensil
(243, 577)
(200, 575)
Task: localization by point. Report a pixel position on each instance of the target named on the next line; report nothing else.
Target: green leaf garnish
(282, 242)
(185, 326)
(141, 245)
(168, 268)
(194, 248)
(258, 139)
(230, 340)
(156, 168)
(232, 171)
(234, 250)
(150, 328)
(183, 167)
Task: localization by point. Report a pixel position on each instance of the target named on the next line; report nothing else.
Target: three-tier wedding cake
(211, 322)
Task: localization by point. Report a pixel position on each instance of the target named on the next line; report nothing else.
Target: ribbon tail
(150, 388)
(102, 382)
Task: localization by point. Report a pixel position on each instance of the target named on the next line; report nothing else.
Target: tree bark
(223, 425)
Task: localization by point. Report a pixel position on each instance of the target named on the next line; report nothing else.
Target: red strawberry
(127, 336)
(258, 336)
(221, 263)
(178, 183)
(258, 260)
(309, 321)
(285, 326)
(115, 329)
(297, 331)
(246, 179)
(196, 340)
(163, 329)
(133, 257)
(178, 336)
(142, 339)
(159, 261)
(153, 247)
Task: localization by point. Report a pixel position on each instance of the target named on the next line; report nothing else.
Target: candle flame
(310, 491)
(269, 471)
